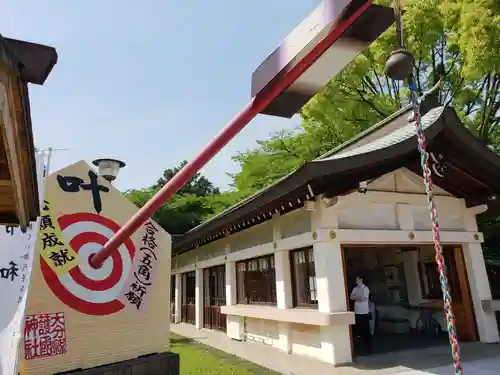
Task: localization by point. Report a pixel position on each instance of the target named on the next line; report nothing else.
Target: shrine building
(278, 268)
(21, 63)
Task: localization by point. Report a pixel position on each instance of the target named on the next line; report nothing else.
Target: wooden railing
(212, 316)
(188, 311)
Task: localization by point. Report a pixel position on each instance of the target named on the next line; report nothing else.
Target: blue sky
(149, 82)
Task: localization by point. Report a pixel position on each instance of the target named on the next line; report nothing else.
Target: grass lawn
(197, 358)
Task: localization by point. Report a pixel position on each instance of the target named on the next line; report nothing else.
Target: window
(430, 281)
(256, 280)
(188, 310)
(172, 288)
(189, 285)
(303, 278)
(172, 299)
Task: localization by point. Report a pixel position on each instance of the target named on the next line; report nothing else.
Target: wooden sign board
(306, 36)
(79, 317)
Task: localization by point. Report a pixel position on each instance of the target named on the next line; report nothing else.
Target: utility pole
(49, 157)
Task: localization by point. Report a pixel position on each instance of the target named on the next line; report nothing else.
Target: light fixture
(330, 201)
(310, 206)
(363, 187)
(108, 168)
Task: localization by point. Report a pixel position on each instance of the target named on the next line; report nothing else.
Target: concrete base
(153, 364)
(235, 327)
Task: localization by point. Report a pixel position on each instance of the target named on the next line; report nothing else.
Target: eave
(33, 61)
(20, 63)
(471, 164)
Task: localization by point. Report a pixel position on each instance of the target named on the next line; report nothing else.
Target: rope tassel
(399, 66)
(424, 162)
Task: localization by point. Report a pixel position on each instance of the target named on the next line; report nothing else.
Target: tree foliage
(456, 41)
(194, 203)
(198, 185)
(453, 40)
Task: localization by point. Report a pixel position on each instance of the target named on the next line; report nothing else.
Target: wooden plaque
(80, 317)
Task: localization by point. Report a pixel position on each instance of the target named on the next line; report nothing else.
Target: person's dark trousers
(363, 331)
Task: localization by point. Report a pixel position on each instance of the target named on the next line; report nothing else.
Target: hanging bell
(399, 65)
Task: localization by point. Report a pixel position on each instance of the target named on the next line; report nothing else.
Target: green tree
(490, 226)
(271, 160)
(456, 41)
(178, 215)
(197, 201)
(198, 185)
(441, 34)
(452, 40)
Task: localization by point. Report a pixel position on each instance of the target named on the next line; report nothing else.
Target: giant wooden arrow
(319, 48)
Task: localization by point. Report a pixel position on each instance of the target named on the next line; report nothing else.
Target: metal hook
(398, 14)
(399, 65)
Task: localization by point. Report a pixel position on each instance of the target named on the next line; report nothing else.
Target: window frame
(247, 274)
(306, 274)
(172, 288)
(189, 285)
(429, 271)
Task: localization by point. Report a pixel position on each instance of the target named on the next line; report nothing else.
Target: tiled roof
(396, 136)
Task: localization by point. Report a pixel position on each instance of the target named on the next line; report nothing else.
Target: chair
(427, 324)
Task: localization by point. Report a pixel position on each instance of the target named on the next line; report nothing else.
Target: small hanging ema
(81, 212)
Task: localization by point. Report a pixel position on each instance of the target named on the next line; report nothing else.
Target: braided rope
(424, 162)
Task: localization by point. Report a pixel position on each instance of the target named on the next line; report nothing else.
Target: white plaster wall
(185, 259)
(379, 209)
(385, 216)
(403, 181)
(200, 254)
(263, 331)
(306, 340)
(294, 223)
(448, 220)
(368, 216)
(210, 251)
(254, 236)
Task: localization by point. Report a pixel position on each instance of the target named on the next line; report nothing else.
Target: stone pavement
(489, 366)
(478, 359)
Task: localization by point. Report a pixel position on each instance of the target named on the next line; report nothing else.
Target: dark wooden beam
(8, 218)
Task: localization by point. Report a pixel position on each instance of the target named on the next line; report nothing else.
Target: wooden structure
(188, 312)
(172, 299)
(79, 319)
(289, 250)
(20, 63)
(214, 297)
(429, 285)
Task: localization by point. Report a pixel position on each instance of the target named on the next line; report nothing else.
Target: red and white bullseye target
(85, 289)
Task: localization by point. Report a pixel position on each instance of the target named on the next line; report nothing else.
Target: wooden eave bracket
(10, 137)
